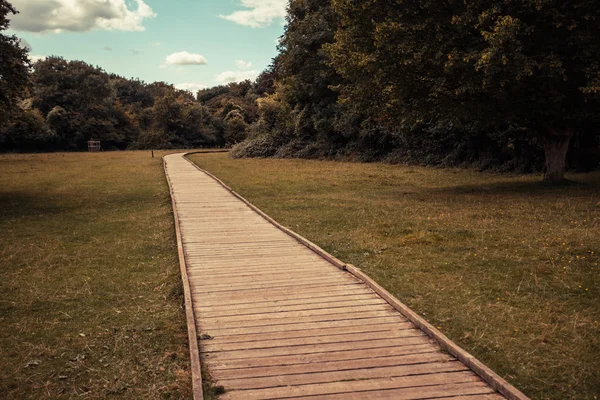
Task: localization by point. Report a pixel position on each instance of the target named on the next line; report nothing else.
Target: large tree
(80, 104)
(304, 74)
(533, 65)
(14, 65)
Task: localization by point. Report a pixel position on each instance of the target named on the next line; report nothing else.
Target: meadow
(90, 292)
(506, 266)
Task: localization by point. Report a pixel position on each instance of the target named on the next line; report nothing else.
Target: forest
(493, 85)
(67, 103)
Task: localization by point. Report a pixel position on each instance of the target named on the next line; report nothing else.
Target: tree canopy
(68, 103)
(14, 65)
(494, 84)
(533, 65)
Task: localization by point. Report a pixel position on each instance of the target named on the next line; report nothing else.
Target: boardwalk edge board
(196, 369)
(494, 380)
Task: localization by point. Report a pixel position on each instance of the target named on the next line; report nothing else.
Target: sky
(189, 43)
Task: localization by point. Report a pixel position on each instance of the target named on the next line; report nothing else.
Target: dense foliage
(494, 84)
(13, 65)
(531, 65)
(68, 103)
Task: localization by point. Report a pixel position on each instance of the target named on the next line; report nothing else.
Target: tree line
(59, 105)
(67, 103)
(495, 84)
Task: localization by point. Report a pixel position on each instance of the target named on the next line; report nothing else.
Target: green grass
(506, 266)
(90, 292)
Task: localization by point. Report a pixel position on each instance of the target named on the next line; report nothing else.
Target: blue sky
(190, 43)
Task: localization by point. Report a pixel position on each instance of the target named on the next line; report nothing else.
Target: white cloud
(260, 13)
(35, 59)
(236, 76)
(56, 16)
(185, 58)
(191, 86)
(241, 64)
(156, 44)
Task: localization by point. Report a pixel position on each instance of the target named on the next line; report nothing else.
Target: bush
(26, 130)
(258, 147)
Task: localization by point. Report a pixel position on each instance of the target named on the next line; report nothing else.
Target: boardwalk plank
(316, 348)
(325, 331)
(331, 366)
(283, 362)
(340, 375)
(337, 387)
(211, 346)
(327, 323)
(279, 321)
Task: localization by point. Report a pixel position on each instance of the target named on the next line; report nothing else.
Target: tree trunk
(556, 145)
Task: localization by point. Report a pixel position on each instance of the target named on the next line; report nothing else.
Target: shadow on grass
(531, 188)
(38, 203)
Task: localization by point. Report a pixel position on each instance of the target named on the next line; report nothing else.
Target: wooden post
(152, 153)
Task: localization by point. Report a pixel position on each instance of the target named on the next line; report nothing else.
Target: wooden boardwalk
(279, 321)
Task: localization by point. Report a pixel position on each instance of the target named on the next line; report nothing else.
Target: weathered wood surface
(286, 323)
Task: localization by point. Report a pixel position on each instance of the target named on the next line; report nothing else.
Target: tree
(178, 121)
(14, 65)
(305, 75)
(265, 83)
(26, 130)
(132, 92)
(235, 127)
(80, 104)
(528, 65)
(73, 85)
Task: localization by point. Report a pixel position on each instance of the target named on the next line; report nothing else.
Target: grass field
(90, 294)
(506, 266)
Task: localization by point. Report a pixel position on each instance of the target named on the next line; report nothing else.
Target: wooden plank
(326, 331)
(292, 321)
(248, 263)
(315, 358)
(328, 323)
(340, 375)
(217, 266)
(467, 391)
(489, 396)
(238, 243)
(197, 287)
(280, 308)
(286, 315)
(322, 389)
(325, 301)
(224, 271)
(249, 284)
(312, 348)
(209, 346)
(275, 296)
(329, 366)
(264, 276)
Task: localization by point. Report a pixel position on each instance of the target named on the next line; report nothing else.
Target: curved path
(279, 318)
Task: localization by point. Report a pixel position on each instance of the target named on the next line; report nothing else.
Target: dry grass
(90, 293)
(506, 266)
